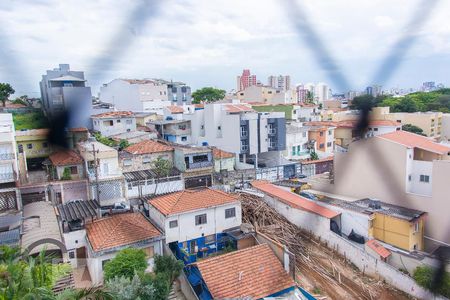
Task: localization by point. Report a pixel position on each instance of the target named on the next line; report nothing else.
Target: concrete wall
(142, 161)
(120, 125)
(224, 164)
(187, 230)
(149, 187)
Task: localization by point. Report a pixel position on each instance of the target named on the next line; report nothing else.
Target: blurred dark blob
(58, 129)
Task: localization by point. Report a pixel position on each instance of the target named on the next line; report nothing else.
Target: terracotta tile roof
(174, 109)
(65, 157)
(219, 153)
(236, 108)
(78, 129)
(199, 105)
(189, 200)
(378, 248)
(308, 162)
(384, 123)
(119, 230)
(147, 147)
(293, 200)
(114, 114)
(413, 140)
(250, 273)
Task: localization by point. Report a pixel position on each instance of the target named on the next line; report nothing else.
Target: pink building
(245, 80)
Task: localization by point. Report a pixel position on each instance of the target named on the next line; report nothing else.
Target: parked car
(308, 195)
(119, 207)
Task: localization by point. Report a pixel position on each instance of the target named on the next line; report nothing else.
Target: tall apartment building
(280, 82)
(138, 95)
(239, 129)
(245, 80)
(62, 90)
(400, 168)
(321, 92)
(374, 90)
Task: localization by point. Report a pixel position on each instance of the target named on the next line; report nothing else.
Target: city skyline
(209, 48)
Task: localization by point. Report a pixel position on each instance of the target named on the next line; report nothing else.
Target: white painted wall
(378, 130)
(187, 230)
(421, 168)
(120, 125)
(151, 188)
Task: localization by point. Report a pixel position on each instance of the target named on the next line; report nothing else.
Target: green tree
(413, 129)
(66, 175)
(6, 90)
(123, 144)
(168, 265)
(425, 275)
(131, 288)
(208, 95)
(364, 102)
(126, 263)
(313, 155)
(162, 167)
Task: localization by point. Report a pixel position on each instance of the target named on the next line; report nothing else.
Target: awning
(78, 210)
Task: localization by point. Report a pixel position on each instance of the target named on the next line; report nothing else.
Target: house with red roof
(66, 164)
(114, 122)
(195, 221)
(401, 168)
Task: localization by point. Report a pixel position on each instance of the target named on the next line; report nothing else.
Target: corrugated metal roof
(77, 210)
(10, 238)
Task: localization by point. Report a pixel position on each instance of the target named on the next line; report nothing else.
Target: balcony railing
(272, 131)
(4, 156)
(199, 165)
(9, 176)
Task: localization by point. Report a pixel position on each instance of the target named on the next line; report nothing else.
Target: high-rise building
(321, 92)
(279, 82)
(66, 90)
(428, 86)
(374, 90)
(245, 80)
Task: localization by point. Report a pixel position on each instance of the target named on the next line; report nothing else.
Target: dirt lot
(320, 270)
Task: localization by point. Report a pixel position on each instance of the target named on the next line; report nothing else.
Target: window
(375, 129)
(130, 186)
(129, 122)
(299, 149)
(108, 123)
(321, 146)
(184, 138)
(44, 145)
(146, 160)
(321, 133)
(409, 177)
(329, 144)
(230, 213)
(71, 254)
(243, 131)
(416, 227)
(173, 224)
(304, 134)
(293, 150)
(219, 127)
(329, 132)
(424, 178)
(127, 162)
(200, 219)
(29, 146)
(73, 170)
(210, 239)
(118, 121)
(20, 147)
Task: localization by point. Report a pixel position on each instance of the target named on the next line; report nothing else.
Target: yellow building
(33, 143)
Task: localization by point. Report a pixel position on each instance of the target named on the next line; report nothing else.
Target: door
(81, 256)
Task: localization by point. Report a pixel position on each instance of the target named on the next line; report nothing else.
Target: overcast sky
(208, 42)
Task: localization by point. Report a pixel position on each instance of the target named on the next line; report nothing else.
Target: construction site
(320, 270)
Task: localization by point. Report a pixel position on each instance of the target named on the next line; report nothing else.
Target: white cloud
(210, 41)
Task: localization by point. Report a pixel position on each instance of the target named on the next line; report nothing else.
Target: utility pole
(96, 166)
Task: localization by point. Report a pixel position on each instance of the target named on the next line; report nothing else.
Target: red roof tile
(189, 200)
(147, 147)
(174, 109)
(236, 108)
(78, 129)
(308, 162)
(378, 248)
(114, 114)
(250, 273)
(219, 153)
(413, 140)
(293, 200)
(65, 158)
(119, 230)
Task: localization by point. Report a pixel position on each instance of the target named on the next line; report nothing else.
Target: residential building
(65, 90)
(9, 171)
(239, 129)
(104, 174)
(302, 93)
(138, 95)
(66, 165)
(403, 169)
(195, 221)
(322, 137)
(280, 82)
(223, 160)
(250, 273)
(114, 122)
(374, 90)
(371, 218)
(196, 163)
(321, 92)
(266, 94)
(106, 237)
(292, 112)
(174, 128)
(34, 146)
(143, 118)
(178, 92)
(245, 80)
(298, 145)
(142, 155)
(429, 122)
(445, 131)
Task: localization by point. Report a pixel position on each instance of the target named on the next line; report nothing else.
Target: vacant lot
(31, 120)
